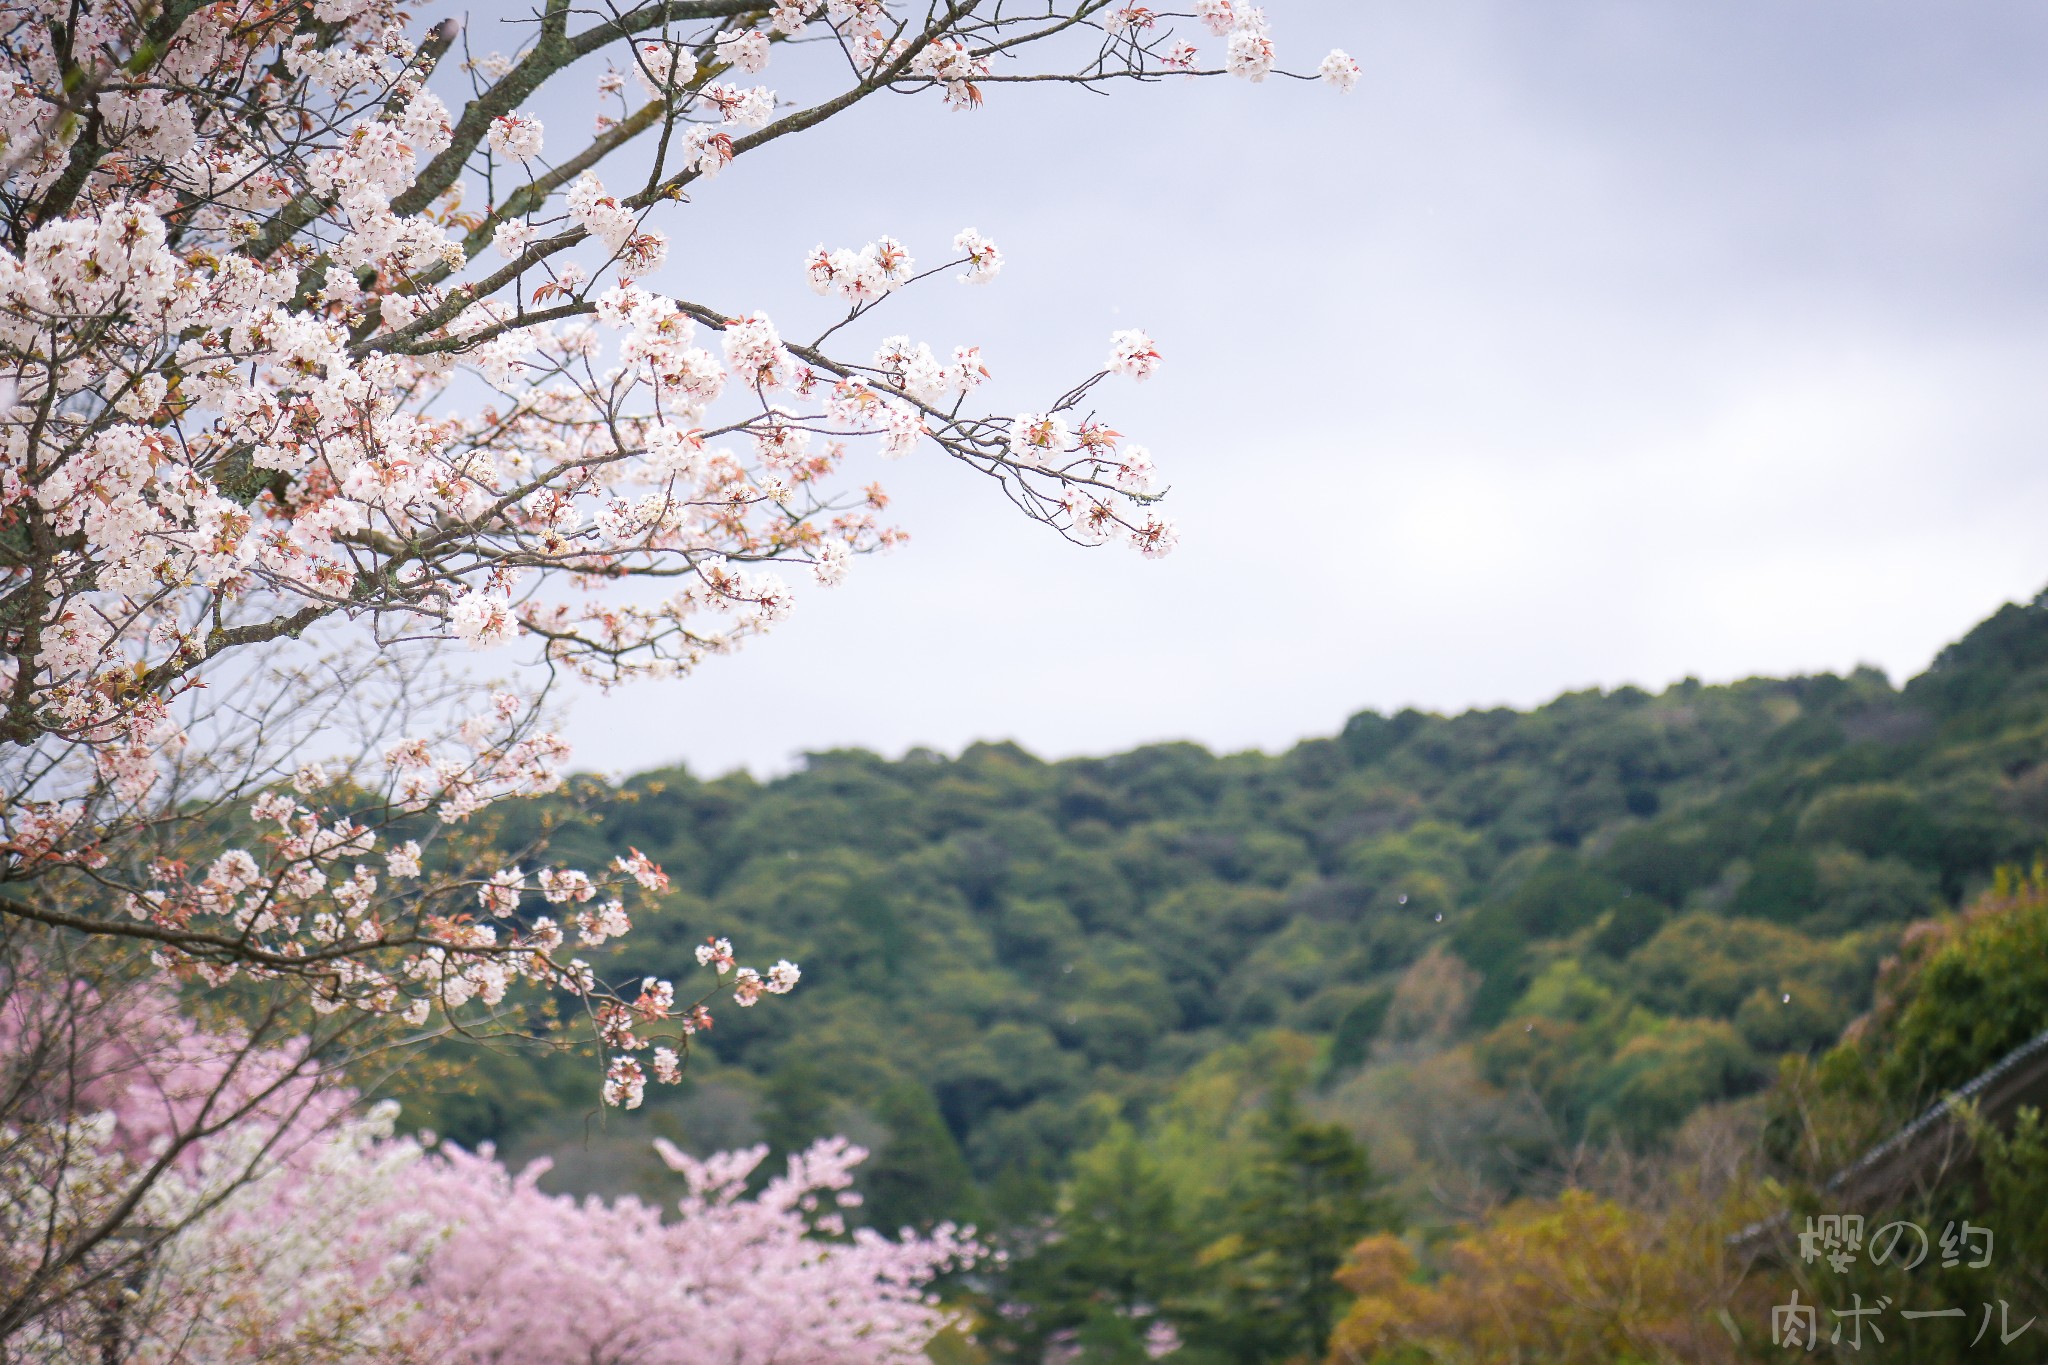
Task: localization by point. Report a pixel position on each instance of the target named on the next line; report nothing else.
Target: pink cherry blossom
(517, 136)
(1340, 71)
(1132, 354)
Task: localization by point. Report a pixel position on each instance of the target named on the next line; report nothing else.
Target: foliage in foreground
(1643, 1272)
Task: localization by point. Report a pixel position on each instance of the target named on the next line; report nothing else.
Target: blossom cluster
(369, 920)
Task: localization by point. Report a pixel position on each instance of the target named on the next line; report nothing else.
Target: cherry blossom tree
(242, 299)
(321, 357)
(240, 294)
(770, 1280)
(292, 1230)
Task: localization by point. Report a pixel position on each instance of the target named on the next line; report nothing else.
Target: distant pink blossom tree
(769, 1280)
(300, 1234)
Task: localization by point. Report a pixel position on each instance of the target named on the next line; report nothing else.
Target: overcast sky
(1586, 344)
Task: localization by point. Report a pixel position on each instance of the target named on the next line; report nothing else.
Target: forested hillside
(1473, 942)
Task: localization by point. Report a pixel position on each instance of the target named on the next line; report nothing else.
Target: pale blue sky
(1588, 343)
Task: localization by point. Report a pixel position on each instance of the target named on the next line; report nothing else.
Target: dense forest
(1126, 1008)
